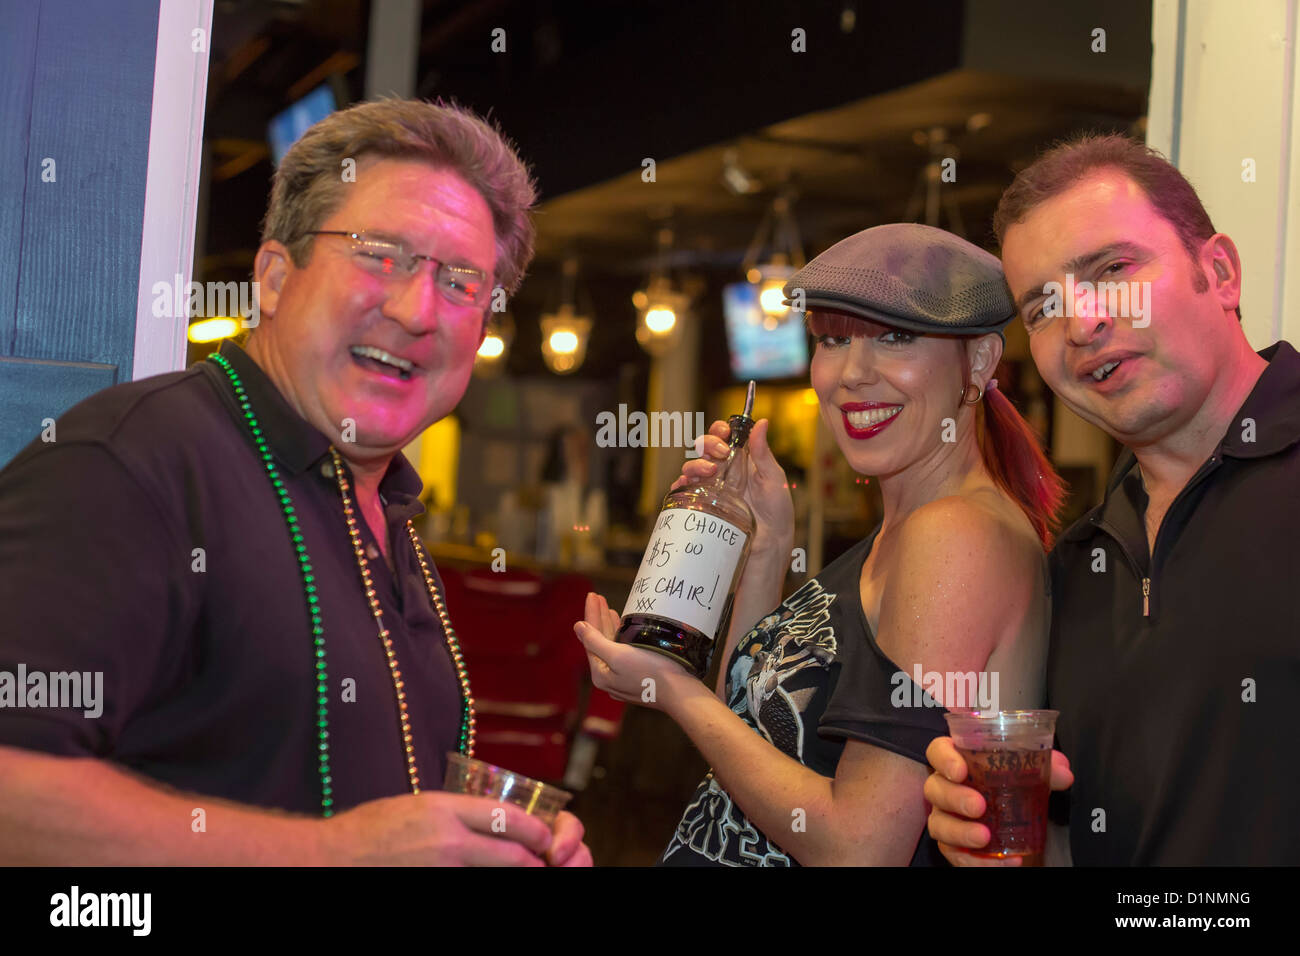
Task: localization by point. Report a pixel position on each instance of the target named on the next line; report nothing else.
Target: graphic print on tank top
(776, 683)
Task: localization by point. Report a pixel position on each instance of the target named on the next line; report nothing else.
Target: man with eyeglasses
(229, 548)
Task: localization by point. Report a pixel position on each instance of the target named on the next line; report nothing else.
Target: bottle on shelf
(680, 603)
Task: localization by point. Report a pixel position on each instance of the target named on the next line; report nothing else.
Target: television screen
(756, 352)
(289, 124)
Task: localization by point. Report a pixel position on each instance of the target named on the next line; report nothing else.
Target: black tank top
(806, 677)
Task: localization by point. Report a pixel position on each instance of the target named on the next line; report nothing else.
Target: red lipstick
(871, 430)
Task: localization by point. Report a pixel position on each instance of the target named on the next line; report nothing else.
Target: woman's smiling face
(886, 393)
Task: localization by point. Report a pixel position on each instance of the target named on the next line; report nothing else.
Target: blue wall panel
(77, 81)
(18, 23)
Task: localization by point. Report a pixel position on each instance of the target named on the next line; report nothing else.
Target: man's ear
(271, 267)
(1224, 262)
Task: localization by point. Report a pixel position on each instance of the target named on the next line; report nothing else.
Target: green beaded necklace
(466, 742)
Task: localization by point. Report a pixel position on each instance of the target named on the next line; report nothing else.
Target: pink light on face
(324, 311)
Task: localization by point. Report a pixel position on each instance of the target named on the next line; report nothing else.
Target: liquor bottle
(680, 604)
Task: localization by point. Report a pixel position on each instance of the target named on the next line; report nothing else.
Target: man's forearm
(65, 811)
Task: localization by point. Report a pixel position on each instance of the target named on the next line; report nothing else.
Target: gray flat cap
(911, 276)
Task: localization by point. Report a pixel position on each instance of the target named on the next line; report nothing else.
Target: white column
(1224, 93)
(392, 52)
(171, 192)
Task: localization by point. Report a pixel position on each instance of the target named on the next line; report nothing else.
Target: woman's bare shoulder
(959, 571)
(984, 527)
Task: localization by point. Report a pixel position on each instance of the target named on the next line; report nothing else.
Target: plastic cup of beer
(481, 779)
(1009, 757)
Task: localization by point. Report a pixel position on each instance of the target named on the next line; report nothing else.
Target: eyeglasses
(388, 258)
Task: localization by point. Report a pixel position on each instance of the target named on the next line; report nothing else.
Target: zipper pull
(1146, 597)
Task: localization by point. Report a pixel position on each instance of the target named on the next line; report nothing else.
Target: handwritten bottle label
(686, 572)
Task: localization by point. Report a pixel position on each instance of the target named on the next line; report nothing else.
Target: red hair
(836, 324)
(1011, 449)
(1013, 455)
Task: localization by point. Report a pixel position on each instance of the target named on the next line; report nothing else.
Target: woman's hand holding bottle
(767, 491)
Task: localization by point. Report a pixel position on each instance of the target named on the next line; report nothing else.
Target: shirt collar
(298, 446)
(401, 487)
(291, 438)
(1273, 410)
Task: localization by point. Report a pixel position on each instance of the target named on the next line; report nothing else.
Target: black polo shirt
(207, 656)
(1179, 720)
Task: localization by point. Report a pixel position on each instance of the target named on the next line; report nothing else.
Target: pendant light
(779, 230)
(660, 305)
(495, 348)
(565, 332)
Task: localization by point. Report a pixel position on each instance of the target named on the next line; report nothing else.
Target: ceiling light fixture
(735, 177)
(565, 332)
(494, 350)
(660, 305)
(778, 229)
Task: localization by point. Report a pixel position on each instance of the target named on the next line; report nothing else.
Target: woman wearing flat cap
(817, 733)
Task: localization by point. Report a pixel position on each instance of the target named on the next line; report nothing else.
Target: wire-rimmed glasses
(386, 257)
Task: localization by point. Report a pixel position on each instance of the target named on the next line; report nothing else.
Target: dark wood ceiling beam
(241, 161)
(341, 62)
(233, 147)
(243, 57)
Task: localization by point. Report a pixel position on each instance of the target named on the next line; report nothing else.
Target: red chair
(527, 670)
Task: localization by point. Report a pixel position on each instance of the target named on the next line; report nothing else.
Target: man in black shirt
(228, 550)
(1175, 646)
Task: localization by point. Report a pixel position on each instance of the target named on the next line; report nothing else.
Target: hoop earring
(965, 392)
